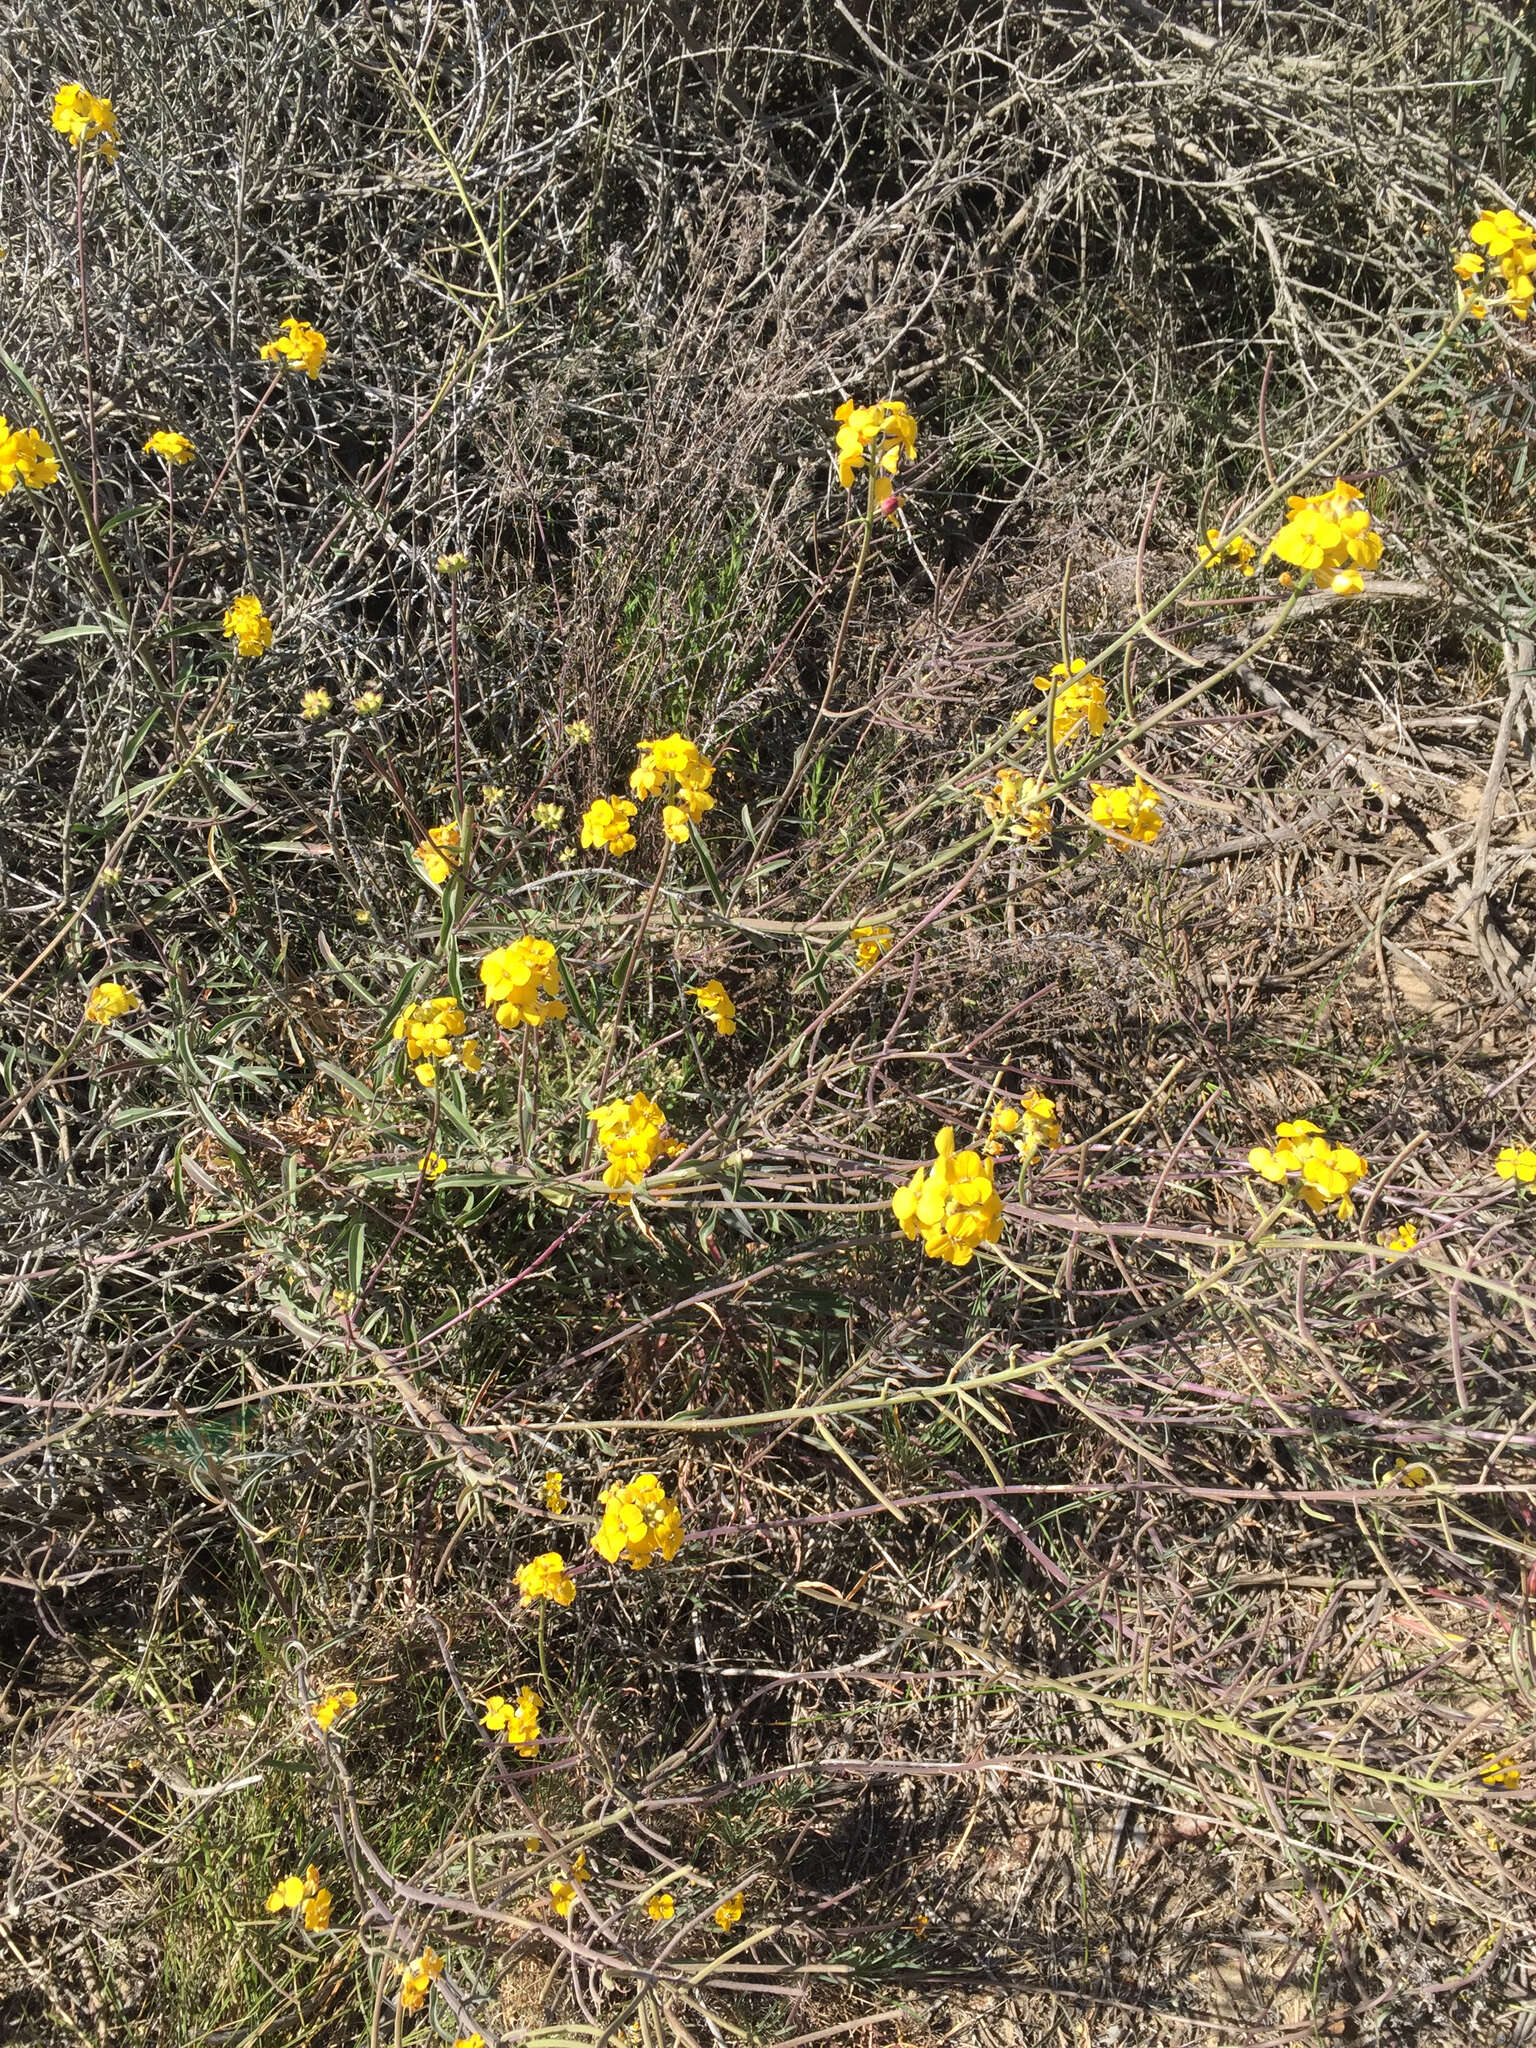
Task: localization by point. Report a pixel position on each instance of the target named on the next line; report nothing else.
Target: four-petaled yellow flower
(639, 1522)
(518, 1718)
(108, 1001)
(433, 1035)
(1015, 804)
(1080, 700)
(522, 983)
(549, 817)
(713, 999)
(554, 1492)
(84, 118)
(1129, 816)
(1500, 1773)
(367, 702)
(306, 1891)
(1236, 552)
(438, 854)
(1324, 1173)
(1403, 1239)
(431, 1166)
(952, 1205)
(545, 1578)
(661, 1906)
(417, 1978)
(1509, 242)
(1516, 1162)
(885, 432)
(25, 458)
(678, 760)
(1405, 1474)
(633, 1137)
(729, 1911)
(562, 1897)
(870, 941)
(298, 347)
(171, 447)
(248, 626)
(341, 1701)
(606, 825)
(315, 704)
(1329, 537)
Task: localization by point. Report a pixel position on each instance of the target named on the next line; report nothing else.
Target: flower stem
(85, 331)
(618, 1008)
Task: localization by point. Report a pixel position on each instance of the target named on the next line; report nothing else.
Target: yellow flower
(317, 1902)
(84, 118)
(885, 430)
(579, 732)
(920, 1924)
(1015, 804)
(491, 794)
(716, 1004)
(606, 825)
(678, 760)
(1080, 700)
(315, 703)
(1129, 815)
(661, 1906)
(1033, 1126)
(287, 1893)
(470, 2041)
(418, 1976)
(334, 1703)
(248, 626)
(1516, 1163)
(452, 565)
(554, 1492)
(428, 1031)
(562, 1897)
(1324, 1173)
(728, 1912)
(549, 817)
(107, 1001)
(870, 942)
(367, 702)
(952, 1205)
(639, 1522)
(1329, 537)
(25, 458)
(438, 854)
(1403, 1239)
(632, 1136)
(545, 1578)
(173, 447)
(431, 1166)
(1499, 1772)
(518, 1718)
(1510, 245)
(298, 347)
(521, 983)
(1404, 1474)
(1237, 552)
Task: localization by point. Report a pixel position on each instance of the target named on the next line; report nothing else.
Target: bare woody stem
(85, 332)
(618, 1008)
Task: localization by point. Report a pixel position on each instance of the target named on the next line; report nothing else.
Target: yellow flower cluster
(885, 431)
(306, 1891)
(605, 824)
(340, 1702)
(1325, 1173)
(173, 447)
(1236, 552)
(1403, 1239)
(952, 1204)
(674, 759)
(1015, 804)
(562, 1895)
(367, 702)
(518, 1719)
(1033, 1126)
(25, 458)
(639, 1522)
(433, 1035)
(248, 626)
(1499, 1773)
(545, 1578)
(870, 942)
(1080, 700)
(1330, 538)
(554, 1492)
(632, 1134)
(661, 1906)
(1515, 1162)
(438, 854)
(521, 983)
(1133, 814)
(1509, 243)
(431, 1166)
(729, 1911)
(82, 117)
(715, 1002)
(298, 347)
(108, 1001)
(314, 704)
(549, 817)
(417, 1978)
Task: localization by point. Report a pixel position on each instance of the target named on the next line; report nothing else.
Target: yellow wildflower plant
(1330, 538)
(1129, 816)
(640, 1522)
(1236, 551)
(307, 1891)
(870, 942)
(562, 1897)
(554, 1492)
(579, 732)
(432, 1033)
(1403, 1239)
(729, 1911)
(25, 458)
(470, 2041)
(1324, 1174)
(545, 1578)
(1516, 1162)
(248, 626)
(170, 447)
(326, 1710)
(108, 1001)
(440, 852)
(367, 702)
(287, 1893)
(1405, 1474)
(521, 983)
(314, 704)
(452, 564)
(633, 1137)
(1499, 1773)
(1015, 804)
(715, 1003)
(83, 118)
(1508, 242)
(431, 1166)
(1033, 1126)
(661, 1905)
(417, 1978)
(952, 1205)
(518, 1719)
(549, 817)
(298, 347)
(884, 433)
(674, 760)
(605, 824)
(1081, 700)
